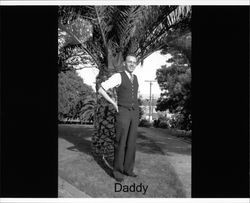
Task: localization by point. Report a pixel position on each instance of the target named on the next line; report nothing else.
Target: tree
(175, 82)
(71, 91)
(141, 112)
(87, 109)
(181, 43)
(117, 30)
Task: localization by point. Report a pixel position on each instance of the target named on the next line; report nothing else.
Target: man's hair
(130, 54)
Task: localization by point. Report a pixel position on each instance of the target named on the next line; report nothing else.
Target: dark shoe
(118, 176)
(118, 179)
(130, 174)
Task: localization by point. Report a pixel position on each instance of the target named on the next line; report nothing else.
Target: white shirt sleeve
(114, 81)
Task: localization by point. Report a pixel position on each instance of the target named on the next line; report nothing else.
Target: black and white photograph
(124, 101)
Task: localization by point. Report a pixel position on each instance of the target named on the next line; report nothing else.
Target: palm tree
(115, 31)
(87, 111)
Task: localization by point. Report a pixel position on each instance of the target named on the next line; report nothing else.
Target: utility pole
(152, 105)
(150, 98)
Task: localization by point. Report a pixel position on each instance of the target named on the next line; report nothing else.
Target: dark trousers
(125, 142)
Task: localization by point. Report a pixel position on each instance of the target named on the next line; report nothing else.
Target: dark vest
(127, 92)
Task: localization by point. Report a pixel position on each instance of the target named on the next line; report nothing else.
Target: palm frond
(117, 29)
(87, 108)
(87, 115)
(178, 14)
(70, 31)
(100, 19)
(160, 32)
(127, 25)
(104, 19)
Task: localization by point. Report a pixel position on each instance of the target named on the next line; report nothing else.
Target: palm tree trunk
(104, 119)
(104, 124)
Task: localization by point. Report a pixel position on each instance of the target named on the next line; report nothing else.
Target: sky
(145, 72)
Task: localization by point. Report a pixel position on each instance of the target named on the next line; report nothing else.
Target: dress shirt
(114, 81)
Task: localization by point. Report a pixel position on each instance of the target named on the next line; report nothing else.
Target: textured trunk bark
(104, 118)
(103, 138)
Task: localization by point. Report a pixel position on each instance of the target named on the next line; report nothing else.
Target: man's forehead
(129, 58)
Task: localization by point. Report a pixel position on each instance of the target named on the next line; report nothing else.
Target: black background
(220, 100)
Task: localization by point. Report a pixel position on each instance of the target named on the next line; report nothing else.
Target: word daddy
(131, 188)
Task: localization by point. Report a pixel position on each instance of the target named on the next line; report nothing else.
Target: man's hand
(116, 107)
(107, 97)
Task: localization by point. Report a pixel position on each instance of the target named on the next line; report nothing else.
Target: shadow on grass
(161, 141)
(154, 169)
(147, 145)
(80, 137)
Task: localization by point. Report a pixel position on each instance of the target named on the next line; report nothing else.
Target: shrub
(179, 121)
(156, 123)
(162, 122)
(144, 123)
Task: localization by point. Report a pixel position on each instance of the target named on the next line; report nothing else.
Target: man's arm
(107, 97)
(113, 81)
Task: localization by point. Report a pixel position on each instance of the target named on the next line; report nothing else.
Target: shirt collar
(128, 74)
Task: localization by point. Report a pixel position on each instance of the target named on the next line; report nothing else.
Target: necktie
(131, 77)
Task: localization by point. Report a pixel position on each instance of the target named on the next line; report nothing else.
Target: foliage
(144, 123)
(162, 122)
(179, 121)
(115, 31)
(71, 91)
(175, 82)
(70, 53)
(72, 57)
(182, 43)
(87, 111)
(141, 112)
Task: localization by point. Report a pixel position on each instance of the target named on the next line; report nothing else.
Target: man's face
(130, 63)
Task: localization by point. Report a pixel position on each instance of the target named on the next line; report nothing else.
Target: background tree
(182, 42)
(71, 92)
(87, 109)
(117, 30)
(141, 112)
(175, 82)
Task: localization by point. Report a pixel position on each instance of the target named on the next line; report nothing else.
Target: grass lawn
(78, 167)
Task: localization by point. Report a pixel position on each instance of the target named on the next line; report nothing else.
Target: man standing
(127, 117)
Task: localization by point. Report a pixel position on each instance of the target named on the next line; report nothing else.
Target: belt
(132, 108)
